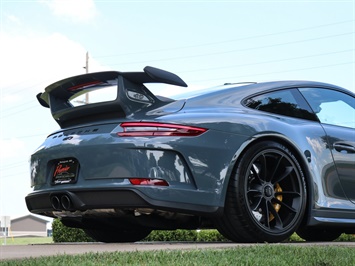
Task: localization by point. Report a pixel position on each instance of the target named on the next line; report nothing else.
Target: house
(28, 225)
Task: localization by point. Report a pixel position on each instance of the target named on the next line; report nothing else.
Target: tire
(315, 234)
(117, 236)
(266, 196)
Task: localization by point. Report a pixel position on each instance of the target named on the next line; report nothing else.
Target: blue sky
(206, 43)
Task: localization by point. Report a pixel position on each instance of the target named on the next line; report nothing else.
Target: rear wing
(132, 95)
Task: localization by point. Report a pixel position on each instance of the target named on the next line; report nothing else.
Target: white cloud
(29, 63)
(14, 19)
(75, 10)
(34, 59)
(8, 99)
(11, 148)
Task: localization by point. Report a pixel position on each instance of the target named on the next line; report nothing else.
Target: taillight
(148, 182)
(146, 129)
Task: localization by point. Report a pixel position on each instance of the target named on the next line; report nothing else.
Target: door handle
(341, 147)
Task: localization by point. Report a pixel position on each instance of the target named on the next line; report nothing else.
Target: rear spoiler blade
(162, 76)
(41, 100)
(150, 75)
(132, 96)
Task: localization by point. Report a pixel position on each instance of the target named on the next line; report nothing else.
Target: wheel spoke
(276, 168)
(279, 223)
(256, 173)
(266, 215)
(282, 203)
(255, 198)
(286, 172)
(263, 167)
(256, 205)
(291, 194)
(254, 193)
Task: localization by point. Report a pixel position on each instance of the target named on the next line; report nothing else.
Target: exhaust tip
(55, 203)
(66, 202)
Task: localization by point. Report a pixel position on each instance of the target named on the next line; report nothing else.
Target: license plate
(65, 171)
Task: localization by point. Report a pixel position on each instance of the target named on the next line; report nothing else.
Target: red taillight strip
(146, 129)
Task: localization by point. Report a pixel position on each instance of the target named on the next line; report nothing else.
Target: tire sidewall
(241, 179)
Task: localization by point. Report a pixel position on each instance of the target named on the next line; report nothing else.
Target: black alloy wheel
(266, 196)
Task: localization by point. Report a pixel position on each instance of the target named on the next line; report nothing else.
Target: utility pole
(87, 71)
(87, 63)
(86, 67)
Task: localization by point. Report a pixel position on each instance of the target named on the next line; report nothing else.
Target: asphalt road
(26, 251)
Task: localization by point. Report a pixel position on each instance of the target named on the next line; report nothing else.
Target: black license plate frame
(65, 171)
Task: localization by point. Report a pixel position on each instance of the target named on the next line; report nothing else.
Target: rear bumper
(79, 202)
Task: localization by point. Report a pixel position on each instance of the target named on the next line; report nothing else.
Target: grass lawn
(26, 240)
(253, 255)
(271, 254)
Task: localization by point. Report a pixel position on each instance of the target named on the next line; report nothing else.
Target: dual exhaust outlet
(61, 202)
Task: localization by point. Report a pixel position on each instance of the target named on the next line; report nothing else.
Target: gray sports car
(257, 161)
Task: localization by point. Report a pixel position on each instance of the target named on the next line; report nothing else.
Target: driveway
(26, 251)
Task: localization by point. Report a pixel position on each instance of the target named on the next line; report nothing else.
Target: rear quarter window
(287, 102)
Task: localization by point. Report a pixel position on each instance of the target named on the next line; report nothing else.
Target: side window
(332, 107)
(286, 102)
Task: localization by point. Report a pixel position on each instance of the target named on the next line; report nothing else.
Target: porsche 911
(256, 161)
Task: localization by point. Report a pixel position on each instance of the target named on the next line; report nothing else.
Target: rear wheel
(318, 234)
(117, 235)
(266, 196)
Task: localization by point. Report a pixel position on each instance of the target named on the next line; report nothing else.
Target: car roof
(246, 89)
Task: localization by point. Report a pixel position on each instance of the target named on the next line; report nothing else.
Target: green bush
(186, 235)
(173, 235)
(294, 238)
(62, 233)
(211, 236)
(346, 238)
(341, 238)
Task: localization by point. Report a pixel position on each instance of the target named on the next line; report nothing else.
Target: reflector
(148, 182)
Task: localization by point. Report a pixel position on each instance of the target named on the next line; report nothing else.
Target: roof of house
(36, 218)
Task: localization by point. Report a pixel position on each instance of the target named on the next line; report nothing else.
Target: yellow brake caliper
(277, 206)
